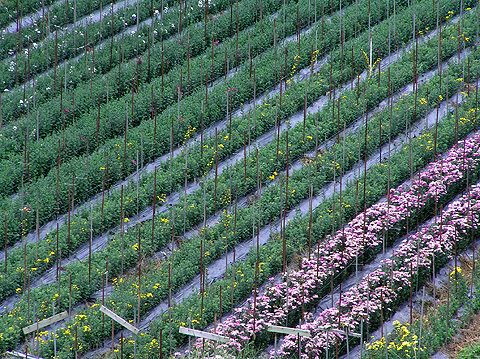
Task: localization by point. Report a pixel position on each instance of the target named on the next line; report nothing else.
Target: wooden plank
(20, 355)
(339, 331)
(45, 322)
(201, 334)
(287, 330)
(119, 319)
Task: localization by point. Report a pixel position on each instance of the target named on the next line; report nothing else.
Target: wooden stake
(56, 63)
(76, 342)
(201, 131)
(216, 173)
(245, 155)
(122, 220)
(139, 276)
(90, 244)
(6, 251)
(154, 205)
(57, 261)
(284, 252)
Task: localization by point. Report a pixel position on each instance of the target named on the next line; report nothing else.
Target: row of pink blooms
(380, 288)
(365, 231)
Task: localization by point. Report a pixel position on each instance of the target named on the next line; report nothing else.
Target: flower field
(229, 166)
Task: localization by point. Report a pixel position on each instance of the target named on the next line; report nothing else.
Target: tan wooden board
(13, 354)
(287, 330)
(119, 319)
(45, 322)
(344, 332)
(201, 334)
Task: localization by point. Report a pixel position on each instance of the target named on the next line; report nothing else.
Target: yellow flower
(456, 269)
(126, 220)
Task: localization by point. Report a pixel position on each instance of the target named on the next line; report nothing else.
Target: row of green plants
(147, 137)
(248, 222)
(242, 276)
(77, 234)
